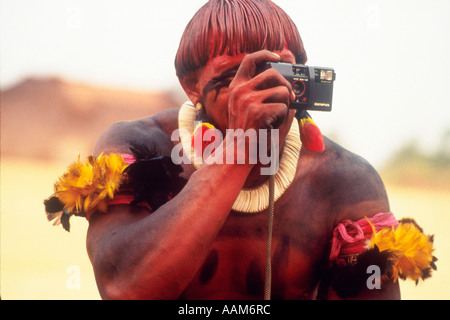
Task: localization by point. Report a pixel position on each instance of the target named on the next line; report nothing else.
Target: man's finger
(249, 64)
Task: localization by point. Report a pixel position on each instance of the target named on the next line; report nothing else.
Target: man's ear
(190, 85)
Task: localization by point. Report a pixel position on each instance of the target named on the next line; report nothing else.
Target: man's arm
(356, 192)
(139, 255)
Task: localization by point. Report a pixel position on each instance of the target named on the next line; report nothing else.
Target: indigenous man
(207, 237)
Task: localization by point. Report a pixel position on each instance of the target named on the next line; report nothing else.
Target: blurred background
(70, 68)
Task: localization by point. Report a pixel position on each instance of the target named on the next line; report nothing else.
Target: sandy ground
(39, 261)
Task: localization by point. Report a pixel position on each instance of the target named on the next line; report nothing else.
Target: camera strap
(268, 271)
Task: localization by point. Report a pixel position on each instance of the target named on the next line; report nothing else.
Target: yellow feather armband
(85, 186)
(411, 251)
(399, 249)
(145, 178)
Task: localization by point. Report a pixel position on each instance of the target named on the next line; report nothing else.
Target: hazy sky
(391, 57)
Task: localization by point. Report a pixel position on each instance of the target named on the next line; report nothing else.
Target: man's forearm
(164, 250)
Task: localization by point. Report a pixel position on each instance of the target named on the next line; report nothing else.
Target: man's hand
(258, 100)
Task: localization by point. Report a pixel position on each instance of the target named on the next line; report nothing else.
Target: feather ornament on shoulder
(399, 248)
(411, 250)
(85, 186)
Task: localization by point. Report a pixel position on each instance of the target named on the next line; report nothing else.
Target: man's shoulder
(153, 131)
(349, 181)
(336, 162)
(341, 161)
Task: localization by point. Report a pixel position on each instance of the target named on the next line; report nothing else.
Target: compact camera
(313, 86)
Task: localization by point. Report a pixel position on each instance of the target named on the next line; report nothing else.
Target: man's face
(213, 85)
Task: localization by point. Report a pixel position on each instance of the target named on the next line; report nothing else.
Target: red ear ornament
(310, 135)
(198, 142)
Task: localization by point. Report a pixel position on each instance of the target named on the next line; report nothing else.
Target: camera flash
(326, 75)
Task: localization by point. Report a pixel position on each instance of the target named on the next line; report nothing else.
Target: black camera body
(313, 86)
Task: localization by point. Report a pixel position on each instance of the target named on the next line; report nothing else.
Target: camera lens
(299, 88)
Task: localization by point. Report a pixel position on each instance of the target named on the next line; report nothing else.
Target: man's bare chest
(235, 265)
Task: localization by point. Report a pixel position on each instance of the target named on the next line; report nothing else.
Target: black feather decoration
(53, 205)
(154, 178)
(349, 280)
(65, 221)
